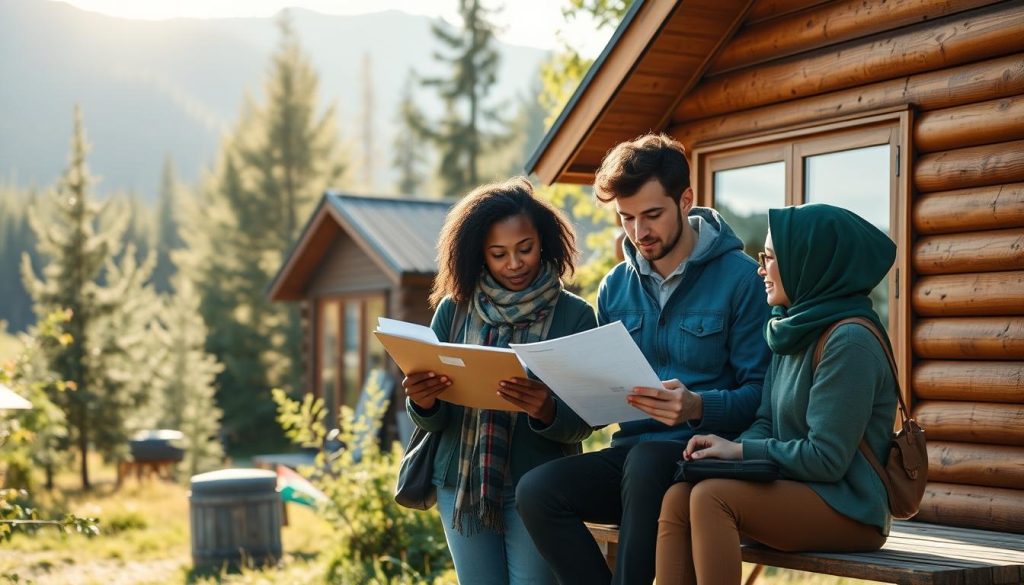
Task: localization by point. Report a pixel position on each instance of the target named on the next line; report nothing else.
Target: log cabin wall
(959, 65)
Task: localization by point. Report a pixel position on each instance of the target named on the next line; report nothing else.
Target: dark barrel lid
(234, 481)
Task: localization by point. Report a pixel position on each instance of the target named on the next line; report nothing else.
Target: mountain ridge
(173, 87)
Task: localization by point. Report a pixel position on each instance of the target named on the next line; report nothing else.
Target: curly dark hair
(460, 250)
(630, 165)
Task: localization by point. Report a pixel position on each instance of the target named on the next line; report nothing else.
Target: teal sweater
(811, 423)
(532, 443)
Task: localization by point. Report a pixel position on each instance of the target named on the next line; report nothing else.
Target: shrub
(378, 541)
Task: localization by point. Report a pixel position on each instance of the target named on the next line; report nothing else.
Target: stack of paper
(592, 372)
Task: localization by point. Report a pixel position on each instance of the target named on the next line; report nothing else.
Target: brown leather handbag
(905, 473)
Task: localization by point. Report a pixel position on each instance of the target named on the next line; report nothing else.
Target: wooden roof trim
(282, 288)
(638, 29)
(320, 232)
(709, 58)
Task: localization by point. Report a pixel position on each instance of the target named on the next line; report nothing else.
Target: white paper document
(592, 372)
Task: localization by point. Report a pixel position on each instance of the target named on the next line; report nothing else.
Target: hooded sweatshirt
(708, 335)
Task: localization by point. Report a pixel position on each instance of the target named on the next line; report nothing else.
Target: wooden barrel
(235, 518)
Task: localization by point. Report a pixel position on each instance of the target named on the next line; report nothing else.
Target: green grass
(144, 539)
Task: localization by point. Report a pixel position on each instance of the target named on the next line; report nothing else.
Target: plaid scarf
(497, 317)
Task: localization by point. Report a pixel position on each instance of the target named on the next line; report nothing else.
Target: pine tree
(102, 384)
(408, 146)
(276, 163)
(188, 374)
(16, 238)
(463, 136)
(369, 162)
(167, 237)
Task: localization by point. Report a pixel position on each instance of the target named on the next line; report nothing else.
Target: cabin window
(853, 166)
(346, 351)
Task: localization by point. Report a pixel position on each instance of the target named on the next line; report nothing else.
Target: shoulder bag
(415, 487)
(905, 473)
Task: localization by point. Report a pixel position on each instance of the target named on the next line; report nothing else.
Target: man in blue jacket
(695, 306)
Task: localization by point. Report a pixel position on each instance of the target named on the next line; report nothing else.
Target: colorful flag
(295, 488)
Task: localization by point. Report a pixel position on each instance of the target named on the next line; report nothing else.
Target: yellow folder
(474, 370)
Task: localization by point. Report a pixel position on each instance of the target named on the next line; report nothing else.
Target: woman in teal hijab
(819, 265)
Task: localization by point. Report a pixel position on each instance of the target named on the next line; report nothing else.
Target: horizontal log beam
(975, 166)
(987, 338)
(989, 122)
(969, 380)
(986, 80)
(972, 464)
(965, 210)
(972, 422)
(829, 24)
(961, 295)
(973, 507)
(970, 252)
(771, 9)
(965, 38)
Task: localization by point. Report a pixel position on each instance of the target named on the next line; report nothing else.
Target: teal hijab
(829, 260)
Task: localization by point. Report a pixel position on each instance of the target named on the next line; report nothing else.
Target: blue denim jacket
(710, 335)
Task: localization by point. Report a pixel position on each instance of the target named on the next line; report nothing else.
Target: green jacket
(811, 423)
(532, 442)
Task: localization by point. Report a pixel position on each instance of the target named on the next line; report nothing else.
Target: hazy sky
(533, 23)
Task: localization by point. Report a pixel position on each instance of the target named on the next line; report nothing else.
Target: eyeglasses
(762, 260)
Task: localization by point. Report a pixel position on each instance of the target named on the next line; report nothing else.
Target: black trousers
(619, 485)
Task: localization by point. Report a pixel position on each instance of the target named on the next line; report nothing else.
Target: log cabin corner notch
(358, 258)
(920, 106)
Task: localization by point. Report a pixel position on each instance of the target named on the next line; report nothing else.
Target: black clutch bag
(746, 470)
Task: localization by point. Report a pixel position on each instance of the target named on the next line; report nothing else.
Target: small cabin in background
(908, 112)
(358, 258)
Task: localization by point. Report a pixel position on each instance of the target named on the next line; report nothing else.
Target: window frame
(339, 392)
(793, 146)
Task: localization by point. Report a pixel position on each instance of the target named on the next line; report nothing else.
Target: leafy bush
(378, 542)
(124, 521)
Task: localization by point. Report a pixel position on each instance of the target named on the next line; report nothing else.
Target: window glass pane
(328, 358)
(857, 180)
(743, 196)
(353, 330)
(375, 356)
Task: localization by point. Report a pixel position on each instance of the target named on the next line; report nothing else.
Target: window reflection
(858, 180)
(743, 197)
(353, 331)
(329, 340)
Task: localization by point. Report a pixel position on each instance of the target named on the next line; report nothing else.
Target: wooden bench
(915, 554)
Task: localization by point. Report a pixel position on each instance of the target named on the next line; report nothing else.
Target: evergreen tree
(16, 238)
(168, 237)
(276, 163)
(466, 131)
(80, 255)
(188, 373)
(408, 146)
(369, 162)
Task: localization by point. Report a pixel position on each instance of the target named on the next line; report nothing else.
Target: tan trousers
(700, 527)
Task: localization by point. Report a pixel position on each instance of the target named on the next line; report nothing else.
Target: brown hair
(630, 165)
(460, 250)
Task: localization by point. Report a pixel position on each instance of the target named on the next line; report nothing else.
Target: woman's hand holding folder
(423, 387)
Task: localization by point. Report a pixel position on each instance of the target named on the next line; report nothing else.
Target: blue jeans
(490, 558)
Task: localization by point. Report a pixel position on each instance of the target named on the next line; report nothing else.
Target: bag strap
(458, 320)
(904, 412)
(870, 326)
